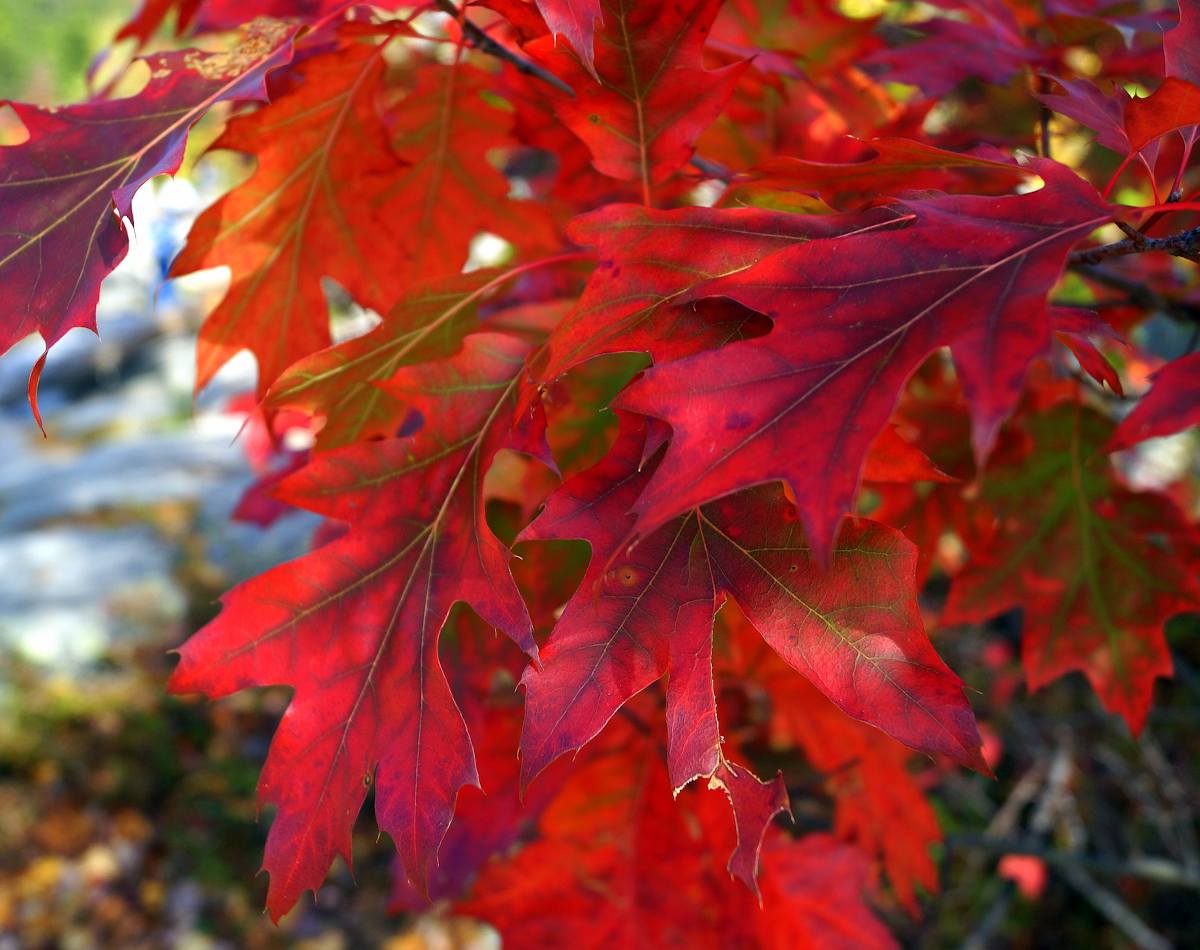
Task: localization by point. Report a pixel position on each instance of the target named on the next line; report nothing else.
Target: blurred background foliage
(47, 45)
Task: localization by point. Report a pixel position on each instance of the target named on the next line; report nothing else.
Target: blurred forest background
(127, 817)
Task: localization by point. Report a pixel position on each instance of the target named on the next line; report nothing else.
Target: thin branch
(1140, 294)
(712, 169)
(1115, 909)
(479, 39)
(1043, 84)
(1136, 236)
(997, 913)
(1186, 244)
(1158, 870)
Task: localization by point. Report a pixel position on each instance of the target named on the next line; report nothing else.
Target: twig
(1140, 294)
(712, 169)
(1115, 909)
(1006, 818)
(1136, 236)
(1182, 818)
(1057, 787)
(1158, 870)
(1044, 117)
(1186, 244)
(485, 44)
(981, 937)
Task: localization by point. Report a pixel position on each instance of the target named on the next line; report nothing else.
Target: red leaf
(1093, 362)
(879, 805)
(444, 129)
(153, 13)
(1097, 568)
(576, 21)
(898, 165)
(651, 261)
(652, 98)
(1181, 46)
(353, 627)
(644, 611)
(618, 864)
(1173, 105)
(986, 43)
(891, 458)
(306, 213)
(1074, 326)
(68, 187)
(755, 803)
(812, 897)
(1171, 405)
(486, 823)
(854, 317)
(1088, 105)
(341, 384)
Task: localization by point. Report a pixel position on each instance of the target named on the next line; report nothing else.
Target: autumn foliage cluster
(797, 305)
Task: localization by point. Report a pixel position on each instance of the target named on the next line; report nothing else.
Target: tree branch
(1186, 244)
(1115, 909)
(485, 44)
(1140, 294)
(711, 169)
(1158, 870)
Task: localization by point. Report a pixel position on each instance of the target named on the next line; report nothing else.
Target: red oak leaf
(879, 805)
(1074, 327)
(812, 897)
(1181, 46)
(812, 31)
(646, 611)
(340, 384)
(1173, 105)
(353, 627)
(576, 21)
(444, 129)
(984, 42)
(153, 13)
(487, 822)
(898, 165)
(68, 188)
(617, 863)
(650, 261)
(1171, 405)
(1097, 568)
(892, 458)
(323, 158)
(652, 97)
(1087, 104)
(854, 318)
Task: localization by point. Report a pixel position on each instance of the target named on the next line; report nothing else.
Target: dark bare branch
(479, 39)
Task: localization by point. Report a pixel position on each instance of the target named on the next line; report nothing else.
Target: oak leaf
(854, 317)
(575, 20)
(322, 158)
(879, 805)
(1097, 568)
(353, 627)
(1171, 405)
(647, 610)
(651, 96)
(617, 863)
(69, 188)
